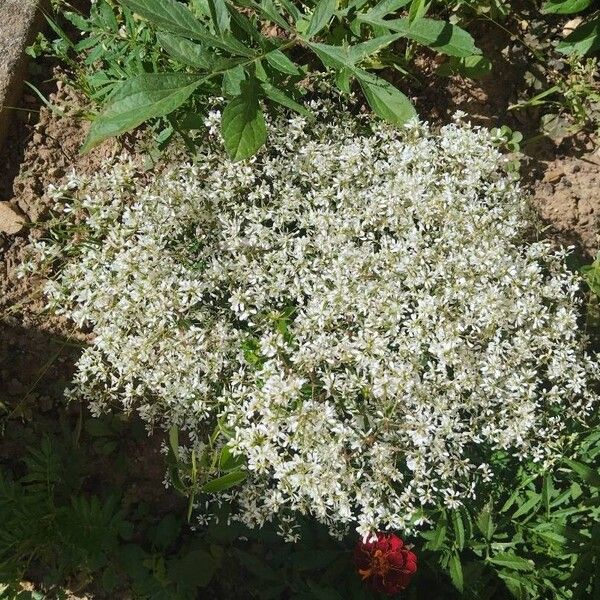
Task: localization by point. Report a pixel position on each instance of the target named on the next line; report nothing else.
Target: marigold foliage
(360, 306)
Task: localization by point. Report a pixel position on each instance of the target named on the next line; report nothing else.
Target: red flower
(386, 564)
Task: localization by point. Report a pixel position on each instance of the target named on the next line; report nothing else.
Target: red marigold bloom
(386, 564)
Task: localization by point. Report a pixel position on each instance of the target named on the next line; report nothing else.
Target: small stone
(11, 222)
(37, 138)
(571, 25)
(554, 175)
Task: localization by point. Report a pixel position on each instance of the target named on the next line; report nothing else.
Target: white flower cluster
(359, 305)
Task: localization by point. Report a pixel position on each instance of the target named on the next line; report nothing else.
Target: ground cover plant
(325, 350)
(247, 308)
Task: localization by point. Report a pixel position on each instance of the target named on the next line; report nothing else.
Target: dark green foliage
(157, 59)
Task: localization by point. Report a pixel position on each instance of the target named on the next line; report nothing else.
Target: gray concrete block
(19, 21)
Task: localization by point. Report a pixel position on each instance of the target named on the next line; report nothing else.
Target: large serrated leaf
(278, 60)
(584, 40)
(220, 15)
(511, 561)
(324, 10)
(335, 57)
(360, 51)
(243, 125)
(139, 99)
(385, 100)
(186, 52)
(169, 15)
(565, 7)
(441, 36)
(387, 7)
(456, 572)
(589, 475)
(275, 94)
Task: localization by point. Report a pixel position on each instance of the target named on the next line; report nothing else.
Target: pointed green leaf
(268, 8)
(459, 530)
(334, 57)
(278, 60)
(360, 51)
(584, 40)
(243, 124)
(224, 482)
(485, 522)
(275, 94)
(342, 80)
(387, 7)
(169, 15)
(186, 52)
(321, 16)
(139, 99)
(589, 475)
(417, 10)
(385, 100)
(219, 14)
(233, 80)
(511, 561)
(456, 572)
(439, 35)
(565, 7)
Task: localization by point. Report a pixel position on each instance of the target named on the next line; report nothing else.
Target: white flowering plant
(351, 325)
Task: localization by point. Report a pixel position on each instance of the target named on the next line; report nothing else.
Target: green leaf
(526, 507)
(243, 125)
(456, 572)
(417, 10)
(174, 17)
(233, 80)
(278, 60)
(186, 52)
(292, 9)
(229, 462)
(174, 440)
(385, 100)
(335, 57)
(169, 15)
(484, 521)
(268, 8)
(439, 536)
(321, 16)
(589, 475)
(584, 40)
(459, 529)
(565, 7)
(387, 7)
(475, 66)
(547, 493)
(167, 531)
(139, 99)
(275, 94)
(224, 482)
(439, 35)
(193, 570)
(511, 561)
(516, 584)
(220, 15)
(342, 80)
(360, 51)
